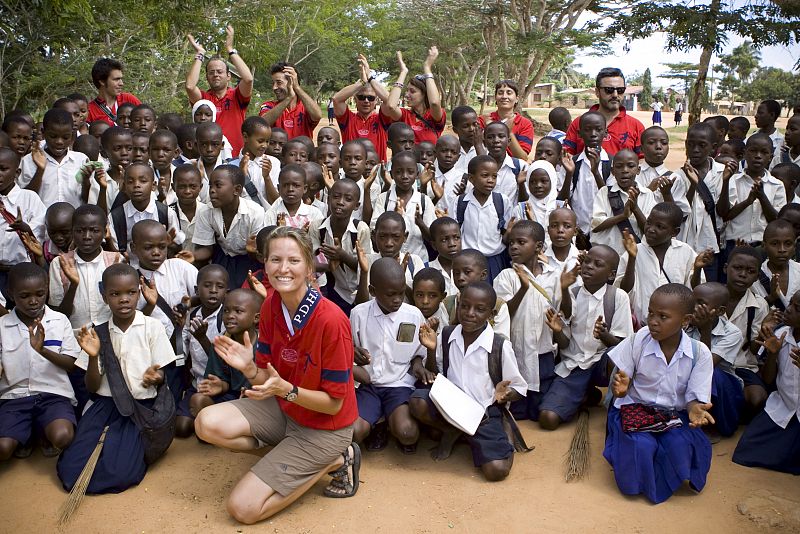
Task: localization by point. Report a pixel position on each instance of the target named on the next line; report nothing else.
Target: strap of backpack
(609, 304)
(461, 209)
(708, 203)
(120, 228)
(496, 360)
(105, 109)
(785, 157)
(748, 337)
(450, 308)
(517, 167)
(166, 309)
(252, 191)
(354, 235)
(123, 399)
(617, 208)
(119, 200)
(447, 331)
(497, 199)
(576, 172)
(496, 374)
(605, 169)
(161, 213)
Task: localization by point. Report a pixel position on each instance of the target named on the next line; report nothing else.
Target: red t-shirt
(96, 113)
(623, 132)
(231, 112)
(294, 121)
(522, 128)
(424, 130)
(353, 126)
(319, 356)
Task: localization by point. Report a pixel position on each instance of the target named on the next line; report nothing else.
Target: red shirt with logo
(522, 128)
(317, 356)
(295, 121)
(425, 128)
(354, 126)
(231, 112)
(96, 112)
(623, 132)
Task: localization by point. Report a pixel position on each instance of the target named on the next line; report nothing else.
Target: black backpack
(121, 223)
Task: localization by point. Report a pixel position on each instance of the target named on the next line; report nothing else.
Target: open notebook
(458, 408)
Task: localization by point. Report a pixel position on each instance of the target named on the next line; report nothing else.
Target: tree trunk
(695, 107)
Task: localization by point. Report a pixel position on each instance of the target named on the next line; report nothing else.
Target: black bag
(156, 424)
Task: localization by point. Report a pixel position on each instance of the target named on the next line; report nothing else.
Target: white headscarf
(542, 207)
(210, 105)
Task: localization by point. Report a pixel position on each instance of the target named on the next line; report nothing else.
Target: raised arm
(434, 98)
(245, 76)
(193, 76)
(391, 106)
(312, 108)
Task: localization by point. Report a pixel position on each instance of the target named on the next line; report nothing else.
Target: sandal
(408, 449)
(345, 479)
(378, 439)
(50, 451)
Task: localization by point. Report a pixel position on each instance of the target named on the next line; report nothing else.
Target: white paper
(458, 408)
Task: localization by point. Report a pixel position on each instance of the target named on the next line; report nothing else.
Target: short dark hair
(497, 124)
(87, 144)
(15, 118)
(26, 271)
(789, 207)
(251, 124)
(720, 122)
(608, 72)
(511, 84)
(262, 237)
(432, 275)
(164, 134)
(743, 121)
(777, 225)
(187, 132)
(773, 107)
(144, 107)
(91, 210)
(56, 117)
(736, 144)
(651, 130)
(396, 128)
(684, 294)
(536, 230)
(459, 112)
(61, 102)
(186, 168)
(292, 168)
(279, 66)
(472, 167)
(5, 151)
(212, 268)
(555, 142)
(792, 169)
(77, 97)
(102, 69)
(308, 143)
(210, 127)
(559, 116)
(745, 250)
(118, 270)
(439, 223)
(111, 133)
(170, 121)
(756, 137)
(475, 255)
(483, 286)
(390, 216)
(706, 128)
(591, 114)
(234, 172)
(671, 211)
(404, 154)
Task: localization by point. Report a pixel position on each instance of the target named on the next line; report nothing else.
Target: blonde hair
(298, 236)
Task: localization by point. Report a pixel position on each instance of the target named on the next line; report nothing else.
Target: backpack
(157, 424)
(609, 302)
(497, 200)
(617, 207)
(605, 171)
(708, 204)
(121, 223)
(109, 258)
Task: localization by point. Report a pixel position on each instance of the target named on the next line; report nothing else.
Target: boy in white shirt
(446, 240)
(290, 209)
(259, 167)
(654, 175)
(187, 182)
(562, 228)
(447, 172)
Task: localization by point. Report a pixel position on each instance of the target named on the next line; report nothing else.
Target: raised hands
(427, 336)
(89, 341)
(554, 321)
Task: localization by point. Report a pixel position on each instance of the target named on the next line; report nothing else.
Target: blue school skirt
(121, 463)
(237, 266)
(765, 444)
(727, 398)
(657, 464)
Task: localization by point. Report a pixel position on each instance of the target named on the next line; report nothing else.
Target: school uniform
(216, 366)
(648, 173)
(304, 215)
(772, 439)
(88, 306)
(374, 193)
(657, 464)
(602, 210)
(34, 391)
(507, 175)
(414, 265)
(112, 190)
(196, 354)
(33, 211)
(392, 340)
(320, 205)
(727, 392)
(784, 155)
(449, 286)
(531, 338)
(747, 316)
(58, 181)
(585, 189)
(414, 243)
(231, 251)
(698, 230)
(750, 224)
(569, 262)
(121, 463)
(678, 268)
(559, 135)
(449, 181)
(341, 284)
(469, 370)
(256, 176)
(583, 362)
(762, 288)
(187, 226)
(150, 213)
(482, 230)
(500, 322)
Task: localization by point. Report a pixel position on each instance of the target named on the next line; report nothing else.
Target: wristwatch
(232, 52)
(292, 395)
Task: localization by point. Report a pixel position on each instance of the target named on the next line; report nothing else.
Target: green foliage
(646, 98)
(737, 69)
(773, 83)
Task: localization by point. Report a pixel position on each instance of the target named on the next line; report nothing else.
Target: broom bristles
(79, 489)
(577, 457)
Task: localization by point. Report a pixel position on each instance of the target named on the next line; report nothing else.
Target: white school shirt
(446, 180)
(654, 382)
(469, 369)
(88, 306)
(247, 221)
(744, 358)
(697, 230)
(479, 229)
(390, 359)
(784, 403)
(465, 157)
(150, 213)
(304, 215)
(751, 223)
(187, 226)
(648, 173)
(257, 177)
(441, 315)
(193, 348)
(507, 179)
(501, 322)
(346, 278)
(726, 341)
(58, 181)
(582, 198)
(584, 349)
(321, 206)
(112, 190)
(602, 211)
(449, 286)
(791, 289)
(569, 262)
(141, 346)
(530, 336)
(678, 268)
(25, 372)
(12, 251)
(778, 158)
(414, 265)
(414, 243)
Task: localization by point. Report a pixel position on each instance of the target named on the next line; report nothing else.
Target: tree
(775, 84)
(737, 69)
(695, 24)
(646, 97)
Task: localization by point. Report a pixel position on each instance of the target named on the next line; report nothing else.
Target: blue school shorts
(17, 416)
(750, 378)
(490, 441)
(183, 405)
(375, 402)
(566, 394)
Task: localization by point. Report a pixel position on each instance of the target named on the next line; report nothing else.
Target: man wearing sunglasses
(364, 122)
(624, 131)
(293, 109)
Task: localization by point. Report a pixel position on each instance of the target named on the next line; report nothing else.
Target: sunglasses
(612, 90)
(368, 98)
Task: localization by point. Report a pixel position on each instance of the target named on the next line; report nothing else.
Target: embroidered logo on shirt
(289, 355)
(305, 309)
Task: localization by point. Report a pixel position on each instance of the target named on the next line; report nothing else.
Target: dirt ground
(186, 490)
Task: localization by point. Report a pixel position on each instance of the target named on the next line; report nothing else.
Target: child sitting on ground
(779, 277)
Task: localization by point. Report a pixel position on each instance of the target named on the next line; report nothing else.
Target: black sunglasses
(612, 90)
(368, 98)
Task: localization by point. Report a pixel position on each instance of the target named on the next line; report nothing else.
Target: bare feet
(445, 447)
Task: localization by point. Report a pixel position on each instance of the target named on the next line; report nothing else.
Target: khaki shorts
(298, 453)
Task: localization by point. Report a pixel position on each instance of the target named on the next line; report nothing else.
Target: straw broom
(79, 489)
(577, 458)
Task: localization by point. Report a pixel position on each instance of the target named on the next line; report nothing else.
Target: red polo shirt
(231, 112)
(425, 128)
(318, 356)
(522, 128)
(295, 121)
(353, 126)
(96, 113)
(623, 132)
